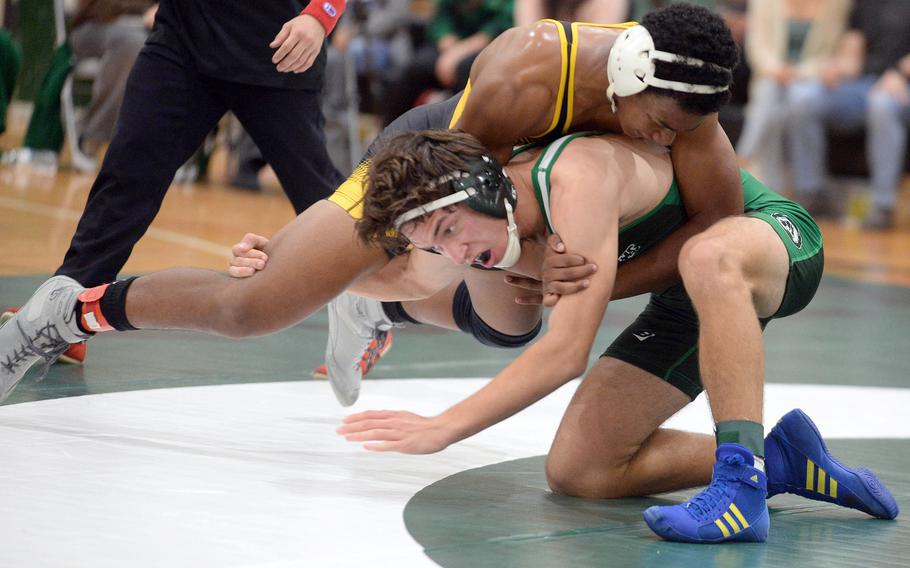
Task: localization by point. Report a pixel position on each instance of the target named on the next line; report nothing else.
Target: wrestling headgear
(484, 187)
(630, 67)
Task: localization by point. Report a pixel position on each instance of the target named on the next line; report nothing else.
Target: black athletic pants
(167, 111)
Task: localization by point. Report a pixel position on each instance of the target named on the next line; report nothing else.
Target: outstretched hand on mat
(398, 431)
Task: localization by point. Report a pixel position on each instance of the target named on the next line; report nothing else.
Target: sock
(396, 313)
(743, 432)
(103, 308)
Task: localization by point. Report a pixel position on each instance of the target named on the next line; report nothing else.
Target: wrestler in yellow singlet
(446, 114)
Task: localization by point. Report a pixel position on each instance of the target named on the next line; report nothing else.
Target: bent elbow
(569, 355)
(575, 363)
(578, 368)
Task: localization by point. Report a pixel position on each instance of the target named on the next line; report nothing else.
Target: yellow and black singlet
(446, 114)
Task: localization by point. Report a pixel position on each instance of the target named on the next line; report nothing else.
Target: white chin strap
(630, 67)
(513, 248)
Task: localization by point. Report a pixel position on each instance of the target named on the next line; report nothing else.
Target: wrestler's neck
(591, 63)
(528, 217)
(591, 106)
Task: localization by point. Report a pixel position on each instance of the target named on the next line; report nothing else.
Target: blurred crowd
(822, 89)
(824, 71)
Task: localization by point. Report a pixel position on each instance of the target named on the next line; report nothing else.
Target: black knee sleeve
(468, 321)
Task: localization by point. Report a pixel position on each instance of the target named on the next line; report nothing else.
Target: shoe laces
(47, 344)
(704, 505)
(373, 352)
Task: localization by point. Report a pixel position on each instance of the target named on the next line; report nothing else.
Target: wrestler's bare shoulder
(610, 143)
(524, 50)
(515, 83)
(623, 158)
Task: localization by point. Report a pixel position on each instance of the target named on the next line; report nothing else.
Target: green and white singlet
(663, 340)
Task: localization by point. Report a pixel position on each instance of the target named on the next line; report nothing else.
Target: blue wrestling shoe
(731, 509)
(798, 462)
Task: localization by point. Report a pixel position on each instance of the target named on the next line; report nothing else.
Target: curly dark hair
(402, 174)
(693, 31)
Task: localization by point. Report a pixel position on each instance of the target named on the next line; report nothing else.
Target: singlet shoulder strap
(562, 108)
(540, 173)
(619, 26)
(522, 148)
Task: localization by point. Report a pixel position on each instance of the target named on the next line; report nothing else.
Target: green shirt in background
(641, 7)
(10, 64)
(464, 18)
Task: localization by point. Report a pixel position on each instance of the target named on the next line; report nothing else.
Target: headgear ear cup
(494, 188)
(629, 61)
(484, 187)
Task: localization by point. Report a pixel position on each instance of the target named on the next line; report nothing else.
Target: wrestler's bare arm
(588, 221)
(513, 88)
(412, 276)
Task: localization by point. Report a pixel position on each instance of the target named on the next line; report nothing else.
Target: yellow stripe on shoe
(739, 516)
(816, 481)
(730, 521)
(732, 525)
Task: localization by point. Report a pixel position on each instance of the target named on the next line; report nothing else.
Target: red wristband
(326, 12)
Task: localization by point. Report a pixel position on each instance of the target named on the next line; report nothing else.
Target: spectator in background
(113, 31)
(788, 42)
(732, 115)
(866, 85)
(264, 62)
(595, 11)
(10, 64)
(457, 33)
(734, 14)
(642, 7)
(374, 38)
(371, 40)
(376, 33)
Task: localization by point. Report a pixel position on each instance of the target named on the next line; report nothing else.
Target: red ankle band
(91, 317)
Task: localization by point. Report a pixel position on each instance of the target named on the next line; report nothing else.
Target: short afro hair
(693, 31)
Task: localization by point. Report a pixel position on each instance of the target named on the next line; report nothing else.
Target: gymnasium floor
(177, 449)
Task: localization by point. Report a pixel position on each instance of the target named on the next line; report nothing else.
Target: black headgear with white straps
(484, 187)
